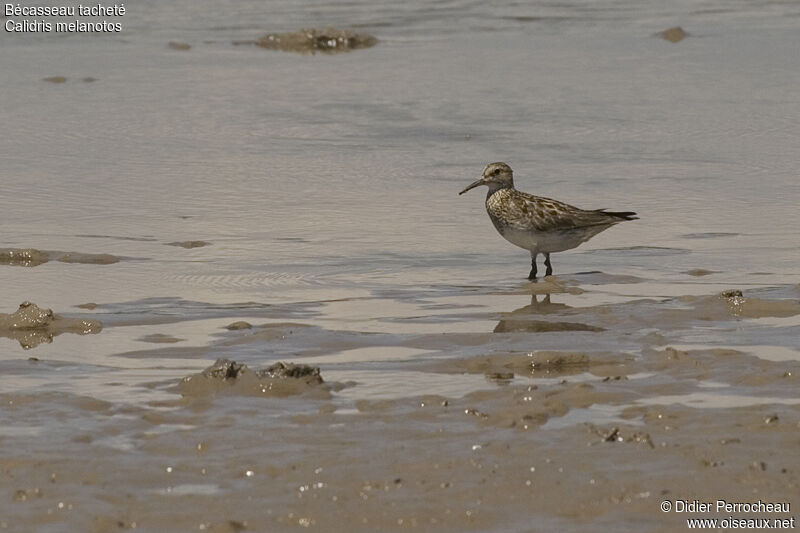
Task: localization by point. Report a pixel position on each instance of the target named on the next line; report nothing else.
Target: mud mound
(31, 257)
(179, 46)
(32, 325)
(311, 41)
(229, 377)
(673, 35)
(189, 244)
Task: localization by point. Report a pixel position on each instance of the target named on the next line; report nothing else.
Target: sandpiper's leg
(549, 271)
(532, 275)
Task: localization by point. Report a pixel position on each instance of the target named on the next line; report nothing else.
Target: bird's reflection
(525, 318)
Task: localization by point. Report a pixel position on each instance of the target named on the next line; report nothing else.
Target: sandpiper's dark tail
(624, 215)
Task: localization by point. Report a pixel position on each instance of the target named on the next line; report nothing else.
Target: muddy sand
(554, 440)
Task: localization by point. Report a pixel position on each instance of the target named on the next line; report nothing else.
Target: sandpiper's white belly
(535, 242)
(548, 241)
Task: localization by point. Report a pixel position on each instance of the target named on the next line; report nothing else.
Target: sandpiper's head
(496, 176)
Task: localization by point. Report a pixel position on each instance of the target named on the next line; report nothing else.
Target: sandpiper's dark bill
(472, 185)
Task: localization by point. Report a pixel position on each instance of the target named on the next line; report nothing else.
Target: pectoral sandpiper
(538, 224)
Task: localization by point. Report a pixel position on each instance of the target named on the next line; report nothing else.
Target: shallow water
(326, 189)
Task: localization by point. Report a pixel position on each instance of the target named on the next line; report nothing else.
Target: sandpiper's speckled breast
(504, 212)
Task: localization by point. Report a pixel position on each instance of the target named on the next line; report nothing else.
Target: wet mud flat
(487, 461)
(552, 439)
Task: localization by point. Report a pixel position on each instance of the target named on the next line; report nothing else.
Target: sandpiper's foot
(532, 275)
(549, 271)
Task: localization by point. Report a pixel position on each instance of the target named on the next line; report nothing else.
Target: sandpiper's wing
(528, 212)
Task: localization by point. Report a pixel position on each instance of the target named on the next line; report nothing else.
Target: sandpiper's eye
(496, 171)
